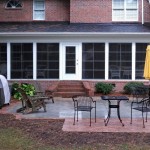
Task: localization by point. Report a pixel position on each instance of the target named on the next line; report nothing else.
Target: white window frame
(38, 10)
(125, 10)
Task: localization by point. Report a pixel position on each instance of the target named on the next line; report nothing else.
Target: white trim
(106, 60)
(80, 60)
(7, 34)
(60, 60)
(8, 61)
(34, 60)
(133, 60)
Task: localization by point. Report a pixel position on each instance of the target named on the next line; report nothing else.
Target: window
(21, 60)
(93, 61)
(14, 4)
(47, 60)
(120, 60)
(39, 10)
(3, 59)
(125, 10)
(140, 60)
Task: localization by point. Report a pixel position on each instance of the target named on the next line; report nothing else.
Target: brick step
(70, 86)
(67, 94)
(70, 89)
(70, 83)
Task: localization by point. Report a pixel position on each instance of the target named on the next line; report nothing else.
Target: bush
(129, 86)
(28, 88)
(104, 88)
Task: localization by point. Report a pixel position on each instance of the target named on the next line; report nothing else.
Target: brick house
(85, 40)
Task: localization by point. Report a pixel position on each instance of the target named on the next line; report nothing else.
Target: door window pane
(3, 59)
(47, 61)
(21, 60)
(70, 59)
(120, 61)
(140, 60)
(93, 61)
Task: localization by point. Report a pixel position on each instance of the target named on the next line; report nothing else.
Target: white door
(71, 62)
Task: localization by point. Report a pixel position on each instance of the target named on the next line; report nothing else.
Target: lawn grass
(14, 139)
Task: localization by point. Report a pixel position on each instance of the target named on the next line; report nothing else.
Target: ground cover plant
(28, 134)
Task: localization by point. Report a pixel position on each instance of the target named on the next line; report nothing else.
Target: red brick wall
(146, 11)
(140, 10)
(119, 85)
(90, 11)
(94, 11)
(56, 10)
(82, 11)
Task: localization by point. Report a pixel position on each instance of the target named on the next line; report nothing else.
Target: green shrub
(28, 88)
(104, 88)
(129, 86)
(14, 88)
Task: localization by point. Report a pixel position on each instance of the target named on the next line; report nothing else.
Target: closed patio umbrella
(147, 66)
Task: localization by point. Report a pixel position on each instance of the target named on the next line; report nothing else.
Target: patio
(63, 109)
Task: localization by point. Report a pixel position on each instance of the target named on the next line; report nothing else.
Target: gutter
(41, 34)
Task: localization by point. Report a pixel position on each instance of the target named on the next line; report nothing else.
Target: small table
(114, 98)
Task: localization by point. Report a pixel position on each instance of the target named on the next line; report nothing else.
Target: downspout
(142, 11)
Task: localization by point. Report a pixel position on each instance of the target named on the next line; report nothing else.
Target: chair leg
(74, 117)
(95, 114)
(131, 113)
(77, 114)
(95, 111)
(90, 117)
(44, 106)
(143, 119)
(51, 97)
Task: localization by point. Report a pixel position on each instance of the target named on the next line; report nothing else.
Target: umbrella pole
(149, 90)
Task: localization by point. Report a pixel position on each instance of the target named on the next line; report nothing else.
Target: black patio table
(110, 99)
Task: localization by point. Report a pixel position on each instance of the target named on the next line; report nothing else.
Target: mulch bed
(49, 132)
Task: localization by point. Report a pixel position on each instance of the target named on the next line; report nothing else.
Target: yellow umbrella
(147, 64)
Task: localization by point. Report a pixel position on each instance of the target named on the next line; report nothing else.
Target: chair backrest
(38, 87)
(83, 100)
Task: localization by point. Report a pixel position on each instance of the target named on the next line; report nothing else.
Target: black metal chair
(141, 101)
(83, 103)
